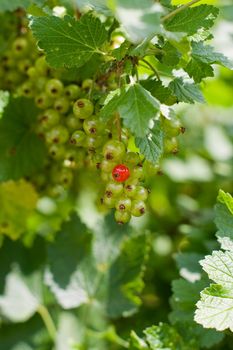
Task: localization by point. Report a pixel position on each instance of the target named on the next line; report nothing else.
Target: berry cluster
(75, 136)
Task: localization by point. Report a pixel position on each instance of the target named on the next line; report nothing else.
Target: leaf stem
(151, 67)
(118, 125)
(47, 319)
(179, 9)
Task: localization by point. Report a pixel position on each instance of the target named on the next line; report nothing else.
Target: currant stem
(179, 9)
(47, 319)
(151, 67)
(118, 125)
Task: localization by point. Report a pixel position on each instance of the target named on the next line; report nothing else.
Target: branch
(179, 9)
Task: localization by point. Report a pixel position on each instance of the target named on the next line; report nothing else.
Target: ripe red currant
(120, 173)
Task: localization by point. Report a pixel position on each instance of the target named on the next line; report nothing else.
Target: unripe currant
(123, 204)
(138, 208)
(78, 138)
(62, 105)
(83, 108)
(58, 135)
(122, 217)
(114, 150)
(72, 91)
(54, 88)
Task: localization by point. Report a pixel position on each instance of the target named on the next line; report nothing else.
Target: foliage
(95, 97)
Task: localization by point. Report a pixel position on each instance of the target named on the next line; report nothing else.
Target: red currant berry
(120, 173)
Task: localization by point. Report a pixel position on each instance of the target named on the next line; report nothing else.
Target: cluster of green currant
(75, 136)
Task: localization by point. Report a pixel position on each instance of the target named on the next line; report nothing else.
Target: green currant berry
(73, 123)
(42, 66)
(65, 177)
(109, 201)
(24, 65)
(172, 127)
(72, 91)
(20, 47)
(13, 78)
(78, 138)
(92, 143)
(138, 208)
(123, 204)
(141, 193)
(83, 108)
(171, 145)
(54, 88)
(92, 126)
(114, 150)
(87, 84)
(62, 105)
(113, 189)
(137, 172)
(40, 83)
(57, 151)
(32, 73)
(130, 189)
(107, 166)
(49, 118)
(132, 158)
(122, 217)
(27, 89)
(58, 135)
(43, 101)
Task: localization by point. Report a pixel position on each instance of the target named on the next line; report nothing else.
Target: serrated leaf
(185, 92)
(185, 295)
(164, 337)
(206, 54)
(199, 70)
(191, 19)
(111, 103)
(215, 309)
(125, 284)
(18, 303)
(224, 216)
(170, 56)
(15, 213)
(145, 20)
(157, 89)
(67, 42)
(151, 146)
(21, 151)
(137, 107)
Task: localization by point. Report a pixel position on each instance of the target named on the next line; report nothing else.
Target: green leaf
(151, 146)
(137, 107)
(215, 308)
(67, 42)
(185, 92)
(224, 216)
(18, 303)
(14, 214)
(191, 19)
(171, 56)
(68, 259)
(164, 337)
(145, 21)
(125, 278)
(157, 89)
(30, 335)
(21, 151)
(184, 298)
(206, 54)
(111, 103)
(199, 70)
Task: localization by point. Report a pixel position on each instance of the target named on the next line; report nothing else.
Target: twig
(179, 9)
(151, 67)
(47, 319)
(118, 125)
